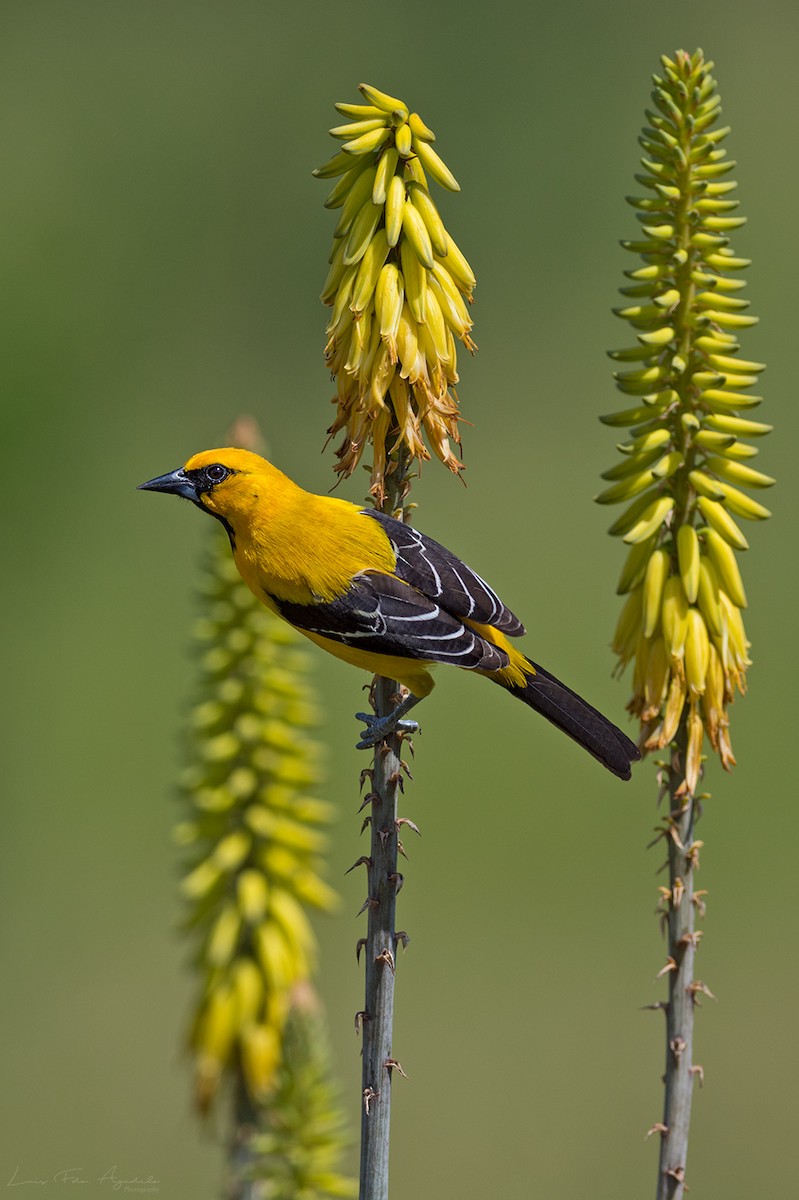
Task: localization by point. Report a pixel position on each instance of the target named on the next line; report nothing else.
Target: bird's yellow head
(228, 483)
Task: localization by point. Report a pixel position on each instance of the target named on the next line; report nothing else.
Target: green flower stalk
(685, 476)
(253, 836)
(688, 454)
(398, 286)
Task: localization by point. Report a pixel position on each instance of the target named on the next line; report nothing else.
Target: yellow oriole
(377, 593)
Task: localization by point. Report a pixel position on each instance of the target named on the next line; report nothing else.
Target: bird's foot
(378, 728)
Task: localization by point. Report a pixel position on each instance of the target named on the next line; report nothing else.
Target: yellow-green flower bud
(654, 580)
(260, 1055)
(697, 652)
(674, 617)
(688, 559)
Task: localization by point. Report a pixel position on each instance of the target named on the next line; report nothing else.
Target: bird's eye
(216, 473)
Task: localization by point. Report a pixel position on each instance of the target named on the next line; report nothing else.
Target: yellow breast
(307, 548)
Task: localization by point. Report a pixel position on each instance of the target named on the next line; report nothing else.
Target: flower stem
(241, 1185)
(380, 959)
(679, 1073)
(380, 950)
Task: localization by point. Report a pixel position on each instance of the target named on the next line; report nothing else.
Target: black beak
(176, 481)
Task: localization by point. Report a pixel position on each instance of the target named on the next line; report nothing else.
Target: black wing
(435, 571)
(380, 613)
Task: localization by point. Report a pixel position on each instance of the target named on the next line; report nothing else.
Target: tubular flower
(398, 287)
(252, 835)
(687, 455)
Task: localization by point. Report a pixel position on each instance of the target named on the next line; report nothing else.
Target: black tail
(579, 720)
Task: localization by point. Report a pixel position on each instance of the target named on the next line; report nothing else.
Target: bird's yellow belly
(412, 673)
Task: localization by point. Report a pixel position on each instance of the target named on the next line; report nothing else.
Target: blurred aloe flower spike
(252, 835)
(296, 1154)
(398, 286)
(687, 453)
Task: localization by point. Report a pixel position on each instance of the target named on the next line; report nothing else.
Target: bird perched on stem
(378, 594)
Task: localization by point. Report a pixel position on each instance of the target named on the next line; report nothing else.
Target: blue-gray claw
(378, 728)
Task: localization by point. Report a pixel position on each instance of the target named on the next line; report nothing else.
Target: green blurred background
(163, 250)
